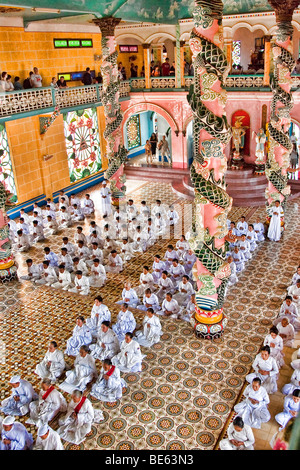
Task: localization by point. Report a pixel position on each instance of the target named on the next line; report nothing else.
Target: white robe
(129, 297)
(288, 406)
(171, 306)
(52, 442)
(129, 358)
(56, 368)
(274, 231)
(254, 414)
(125, 323)
(108, 390)
(74, 429)
(81, 336)
(20, 438)
(84, 285)
(42, 411)
(276, 351)
(245, 435)
(150, 334)
(268, 381)
(111, 345)
(99, 314)
(294, 383)
(84, 372)
(105, 201)
(26, 395)
(289, 332)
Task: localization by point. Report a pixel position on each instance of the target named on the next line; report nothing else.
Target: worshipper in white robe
(50, 402)
(23, 242)
(114, 263)
(275, 343)
(146, 282)
(98, 274)
(109, 385)
(83, 372)
(240, 436)
(176, 272)
(233, 235)
(47, 439)
(187, 311)
(87, 205)
(152, 330)
(189, 259)
(252, 238)
(79, 235)
(23, 226)
(286, 331)
(50, 256)
(100, 312)
(63, 197)
(79, 265)
(94, 237)
(144, 208)
(94, 227)
(165, 285)
(69, 246)
(150, 233)
(149, 300)
(52, 365)
(158, 267)
(139, 244)
(233, 279)
(110, 231)
(259, 230)
(109, 246)
(126, 250)
(129, 296)
(73, 199)
(172, 216)
(82, 285)
(95, 253)
(158, 208)
(80, 416)
(185, 290)
(48, 275)
(242, 226)
(14, 435)
(63, 218)
(295, 380)
(125, 323)
(82, 251)
(170, 255)
(294, 292)
(182, 247)
(265, 367)
(159, 225)
(291, 408)
(107, 343)
(51, 227)
(76, 213)
(105, 194)
(81, 336)
(37, 234)
(65, 259)
(289, 310)
(169, 307)
(254, 409)
(274, 230)
(34, 271)
(64, 280)
(130, 357)
(238, 259)
(17, 404)
(296, 276)
(244, 247)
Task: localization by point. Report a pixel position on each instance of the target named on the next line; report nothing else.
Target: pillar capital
(146, 46)
(268, 38)
(182, 43)
(107, 25)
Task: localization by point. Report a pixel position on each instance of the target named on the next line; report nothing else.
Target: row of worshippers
(253, 410)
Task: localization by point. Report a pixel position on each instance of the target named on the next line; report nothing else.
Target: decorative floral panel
(6, 169)
(133, 131)
(83, 143)
(236, 52)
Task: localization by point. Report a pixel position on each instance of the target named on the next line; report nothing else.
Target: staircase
(243, 186)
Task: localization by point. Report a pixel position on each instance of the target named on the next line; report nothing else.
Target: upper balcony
(23, 103)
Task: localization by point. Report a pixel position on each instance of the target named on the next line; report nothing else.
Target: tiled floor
(184, 396)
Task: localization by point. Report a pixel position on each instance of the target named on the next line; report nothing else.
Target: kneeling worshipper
(240, 436)
(252, 238)
(169, 307)
(83, 373)
(98, 274)
(233, 279)
(254, 409)
(266, 369)
(80, 416)
(149, 300)
(152, 330)
(274, 230)
(189, 259)
(34, 271)
(47, 439)
(185, 290)
(87, 206)
(259, 230)
(109, 385)
(126, 250)
(53, 364)
(48, 275)
(186, 312)
(114, 263)
(182, 247)
(64, 278)
(275, 343)
(238, 259)
(289, 310)
(157, 268)
(165, 285)
(242, 226)
(291, 408)
(22, 394)
(49, 403)
(296, 276)
(294, 292)
(295, 380)
(129, 296)
(81, 336)
(125, 322)
(146, 282)
(100, 313)
(107, 344)
(82, 285)
(176, 271)
(130, 357)
(244, 247)
(14, 435)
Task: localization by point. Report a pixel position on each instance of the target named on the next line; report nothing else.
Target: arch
(186, 122)
(251, 27)
(123, 36)
(145, 106)
(159, 35)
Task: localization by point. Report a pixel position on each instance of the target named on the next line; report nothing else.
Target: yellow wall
(20, 51)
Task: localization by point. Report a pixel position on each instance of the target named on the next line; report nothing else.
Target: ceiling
(150, 11)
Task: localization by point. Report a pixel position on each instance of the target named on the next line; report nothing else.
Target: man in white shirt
(64, 279)
(82, 285)
(36, 79)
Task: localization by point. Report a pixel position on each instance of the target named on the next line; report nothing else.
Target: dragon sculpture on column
(8, 268)
(212, 133)
(280, 146)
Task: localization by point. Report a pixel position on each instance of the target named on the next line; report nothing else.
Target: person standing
(274, 231)
(165, 68)
(153, 142)
(105, 199)
(164, 150)
(87, 77)
(36, 79)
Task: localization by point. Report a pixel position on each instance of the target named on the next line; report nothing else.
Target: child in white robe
(107, 343)
(100, 312)
(52, 365)
(266, 369)
(244, 247)
(109, 385)
(81, 336)
(242, 226)
(83, 372)
(240, 436)
(152, 330)
(130, 357)
(254, 409)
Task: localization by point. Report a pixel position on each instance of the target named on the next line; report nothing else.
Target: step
(180, 189)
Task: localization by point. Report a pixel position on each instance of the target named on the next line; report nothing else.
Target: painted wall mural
(83, 143)
(133, 132)
(6, 168)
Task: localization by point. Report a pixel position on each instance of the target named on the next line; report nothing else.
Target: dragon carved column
(116, 152)
(212, 133)
(8, 268)
(280, 147)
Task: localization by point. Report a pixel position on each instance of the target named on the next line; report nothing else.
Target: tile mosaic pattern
(184, 396)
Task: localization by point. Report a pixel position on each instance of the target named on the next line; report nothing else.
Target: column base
(208, 331)
(259, 169)
(9, 274)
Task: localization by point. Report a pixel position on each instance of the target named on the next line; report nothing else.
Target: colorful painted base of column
(206, 331)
